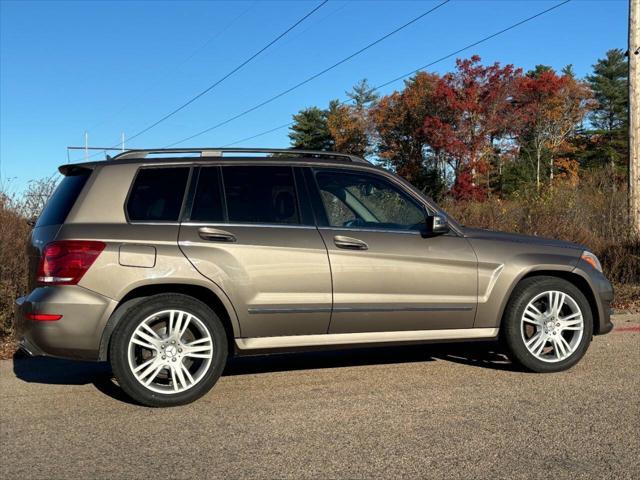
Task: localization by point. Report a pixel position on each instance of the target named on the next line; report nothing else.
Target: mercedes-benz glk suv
(166, 262)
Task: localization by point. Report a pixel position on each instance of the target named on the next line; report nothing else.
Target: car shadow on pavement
(478, 354)
(56, 371)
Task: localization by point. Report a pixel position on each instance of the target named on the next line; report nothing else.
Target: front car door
(386, 275)
(250, 230)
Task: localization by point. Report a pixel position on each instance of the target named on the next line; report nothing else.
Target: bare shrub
(14, 231)
(592, 214)
(15, 211)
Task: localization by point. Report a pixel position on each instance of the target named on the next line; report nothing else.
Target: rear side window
(261, 194)
(62, 200)
(157, 193)
(207, 203)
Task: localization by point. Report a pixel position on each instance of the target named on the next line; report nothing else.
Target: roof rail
(219, 152)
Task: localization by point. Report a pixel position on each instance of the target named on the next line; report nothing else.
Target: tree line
(483, 130)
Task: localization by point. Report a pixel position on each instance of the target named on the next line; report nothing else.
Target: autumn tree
(349, 129)
(350, 125)
(473, 114)
(401, 142)
(550, 108)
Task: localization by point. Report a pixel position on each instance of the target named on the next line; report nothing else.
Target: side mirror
(436, 225)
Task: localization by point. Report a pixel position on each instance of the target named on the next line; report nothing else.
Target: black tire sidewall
(118, 350)
(522, 295)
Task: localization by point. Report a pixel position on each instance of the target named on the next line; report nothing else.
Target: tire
(176, 345)
(533, 322)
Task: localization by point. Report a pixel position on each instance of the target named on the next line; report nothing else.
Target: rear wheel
(170, 349)
(548, 324)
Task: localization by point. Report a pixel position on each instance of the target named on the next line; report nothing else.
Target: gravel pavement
(454, 411)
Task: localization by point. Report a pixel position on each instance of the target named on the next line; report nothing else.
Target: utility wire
(219, 81)
(210, 40)
(401, 77)
(311, 78)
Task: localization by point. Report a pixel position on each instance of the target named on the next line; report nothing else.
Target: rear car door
(250, 230)
(386, 275)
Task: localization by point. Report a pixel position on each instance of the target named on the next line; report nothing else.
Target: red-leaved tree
(473, 112)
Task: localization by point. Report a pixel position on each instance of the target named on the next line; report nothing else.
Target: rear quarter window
(61, 202)
(156, 194)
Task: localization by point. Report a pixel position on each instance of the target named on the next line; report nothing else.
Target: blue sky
(112, 67)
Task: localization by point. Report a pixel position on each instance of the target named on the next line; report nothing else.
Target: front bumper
(603, 296)
(76, 335)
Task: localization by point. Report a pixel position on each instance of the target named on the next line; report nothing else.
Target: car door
(250, 230)
(387, 276)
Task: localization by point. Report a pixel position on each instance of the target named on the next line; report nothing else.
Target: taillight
(43, 317)
(66, 261)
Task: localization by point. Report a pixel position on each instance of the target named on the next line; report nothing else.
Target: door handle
(349, 243)
(216, 235)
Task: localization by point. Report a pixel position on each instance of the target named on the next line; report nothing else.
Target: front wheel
(169, 349)
(548, 324)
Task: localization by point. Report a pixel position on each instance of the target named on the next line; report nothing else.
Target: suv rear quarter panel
(101, 216)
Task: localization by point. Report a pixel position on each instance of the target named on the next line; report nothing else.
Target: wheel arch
(212, 299)
(574, 278)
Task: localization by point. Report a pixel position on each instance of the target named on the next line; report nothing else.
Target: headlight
(592, 260)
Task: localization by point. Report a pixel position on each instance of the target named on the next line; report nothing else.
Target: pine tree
(363, 95)
(609, 84)
(310, 131)
(608, 139)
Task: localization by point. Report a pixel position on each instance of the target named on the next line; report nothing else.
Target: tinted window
(157, 194)
(260, 194)
(367, 201)
(207, 203)
(62, 200)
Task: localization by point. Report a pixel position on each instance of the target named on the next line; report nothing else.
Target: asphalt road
(455, 411)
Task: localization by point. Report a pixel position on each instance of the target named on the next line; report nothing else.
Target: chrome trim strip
(263, 310)
(402, 309)
(363, 337)
(258, 225)
(371, 230)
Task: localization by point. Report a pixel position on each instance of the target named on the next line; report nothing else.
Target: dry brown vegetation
(15, 211)
(592, 213)
(13, 259)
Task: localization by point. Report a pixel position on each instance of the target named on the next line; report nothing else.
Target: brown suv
(164, 262)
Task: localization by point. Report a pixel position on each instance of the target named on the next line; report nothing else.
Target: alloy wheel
(552, 326)
(170, 351)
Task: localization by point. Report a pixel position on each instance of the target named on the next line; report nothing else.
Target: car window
(207, 202)
(362, 200)
(260, 194)
(157, 194)
(337, 210)
(59, 205)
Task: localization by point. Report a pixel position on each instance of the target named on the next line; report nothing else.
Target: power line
(401, 77)
(211, 39)
(312, 77)
(222, 79)
(489, 37)
(246, 139)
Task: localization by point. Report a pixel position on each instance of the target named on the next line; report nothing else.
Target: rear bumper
(76, 335)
